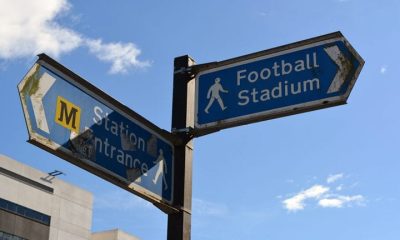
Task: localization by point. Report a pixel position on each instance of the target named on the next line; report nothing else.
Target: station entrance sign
(299, 77)
(70, 118)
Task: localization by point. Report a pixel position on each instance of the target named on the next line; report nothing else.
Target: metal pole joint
(185, 134)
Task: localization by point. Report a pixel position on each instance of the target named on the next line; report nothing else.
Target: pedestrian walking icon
(213, 94)
(162, 169)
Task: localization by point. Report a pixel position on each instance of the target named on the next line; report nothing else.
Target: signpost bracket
(193, 70)
(185, 134)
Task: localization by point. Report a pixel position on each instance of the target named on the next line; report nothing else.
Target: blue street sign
(295, 78)
(71, 118)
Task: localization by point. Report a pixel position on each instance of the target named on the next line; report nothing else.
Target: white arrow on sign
(45, 83)
(344, 68)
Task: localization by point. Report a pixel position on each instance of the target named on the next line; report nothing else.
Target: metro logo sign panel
(82, 125)
(299, 77)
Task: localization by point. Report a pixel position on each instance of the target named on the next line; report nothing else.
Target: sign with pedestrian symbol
(71, 118)
(299, 77)
(213, 94)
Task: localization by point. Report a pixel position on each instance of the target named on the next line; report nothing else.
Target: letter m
(68, 115)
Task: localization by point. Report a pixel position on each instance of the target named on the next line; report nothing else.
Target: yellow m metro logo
(68, 115)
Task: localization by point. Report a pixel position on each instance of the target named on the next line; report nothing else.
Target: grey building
(114, 234)
(36, 206)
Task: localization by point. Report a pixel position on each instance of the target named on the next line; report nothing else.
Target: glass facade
(24, 212)
(7, 236)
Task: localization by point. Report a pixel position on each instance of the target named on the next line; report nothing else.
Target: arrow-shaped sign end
(344, 67)
(45, 83)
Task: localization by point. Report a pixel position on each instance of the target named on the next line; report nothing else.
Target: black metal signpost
(179, 224)
(214, 96)
(198, 107)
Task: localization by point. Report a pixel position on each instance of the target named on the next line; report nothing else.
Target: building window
(7, 236)
(23, 212)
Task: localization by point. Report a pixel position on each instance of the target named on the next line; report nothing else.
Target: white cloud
(296, 202)
(330, 202)
(334, 178)
(206, 208)
(340, 201)
(30, 27)
(383, 69)
(323, 196)
(123, 56)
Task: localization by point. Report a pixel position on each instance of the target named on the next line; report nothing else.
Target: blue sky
(327, 174)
